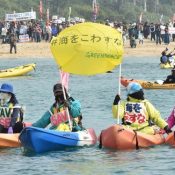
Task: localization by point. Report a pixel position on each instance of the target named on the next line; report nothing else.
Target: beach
(42, 50)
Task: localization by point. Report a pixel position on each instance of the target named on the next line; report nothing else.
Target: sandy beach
(42, 50)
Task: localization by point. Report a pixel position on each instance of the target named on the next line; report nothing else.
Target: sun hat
(133, 87)
(8, 88)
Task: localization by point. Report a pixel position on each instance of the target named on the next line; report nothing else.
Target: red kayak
(119, 138)
(170, 139)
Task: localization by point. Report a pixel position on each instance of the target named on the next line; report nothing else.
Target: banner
(24, 38)
(20, 16)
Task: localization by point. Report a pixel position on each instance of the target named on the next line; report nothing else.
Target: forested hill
(120, 10)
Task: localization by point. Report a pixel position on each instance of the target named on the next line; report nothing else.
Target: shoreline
(42, 50)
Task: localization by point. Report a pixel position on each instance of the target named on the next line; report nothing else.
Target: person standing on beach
(13, 41)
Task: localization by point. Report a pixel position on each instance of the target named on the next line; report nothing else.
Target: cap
(133, 87)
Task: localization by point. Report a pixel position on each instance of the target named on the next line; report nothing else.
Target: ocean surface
(96, 94)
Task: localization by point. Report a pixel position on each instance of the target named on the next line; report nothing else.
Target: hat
(133, 87)
(8, 88)
(57, 88)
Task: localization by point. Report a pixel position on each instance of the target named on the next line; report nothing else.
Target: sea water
(96, 94)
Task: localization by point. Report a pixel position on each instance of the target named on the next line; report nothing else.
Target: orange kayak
(117, 137)
(9, 140)
(170, 139)
(147, 84)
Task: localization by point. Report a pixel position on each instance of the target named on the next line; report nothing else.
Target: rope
(100, 140)
(137, 143)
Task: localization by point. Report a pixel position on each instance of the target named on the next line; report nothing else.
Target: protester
(13, 41)
(11, 115)
(57, 115)
(171, 119)
(137, 113)
(170, 78)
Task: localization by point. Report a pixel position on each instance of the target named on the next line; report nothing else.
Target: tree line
(114, 10)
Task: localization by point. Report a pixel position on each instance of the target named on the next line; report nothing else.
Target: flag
(161, 17)
(70, 10)
(47, 15)
(140, 17)
(41, 9)
(95, 9)
(64, 77)
(174, 18)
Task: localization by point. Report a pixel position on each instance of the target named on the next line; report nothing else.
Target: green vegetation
(116, 10)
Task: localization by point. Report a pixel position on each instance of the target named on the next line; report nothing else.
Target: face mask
(4, 98)
(59, 98)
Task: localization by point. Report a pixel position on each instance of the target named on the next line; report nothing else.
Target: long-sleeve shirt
(44, 121)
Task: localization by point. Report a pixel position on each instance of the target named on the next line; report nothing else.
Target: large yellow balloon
(88, 48)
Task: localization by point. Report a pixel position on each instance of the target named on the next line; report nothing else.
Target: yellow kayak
(147, 84)
(17, 71)
(166, 66)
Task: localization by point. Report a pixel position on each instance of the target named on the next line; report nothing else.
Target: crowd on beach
(39, 30)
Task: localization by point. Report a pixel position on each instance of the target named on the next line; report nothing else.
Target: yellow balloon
(88, 48)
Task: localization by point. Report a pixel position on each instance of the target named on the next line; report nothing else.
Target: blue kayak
(41, 140)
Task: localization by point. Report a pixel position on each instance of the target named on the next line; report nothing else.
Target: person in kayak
(171, 118)
(57, 115)
(170, 78)
(164, 57)
(11, 114)
(137, 113)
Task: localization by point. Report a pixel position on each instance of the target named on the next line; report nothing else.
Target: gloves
(10, 130)
(116, 100)
(66, 103)
(167, 129)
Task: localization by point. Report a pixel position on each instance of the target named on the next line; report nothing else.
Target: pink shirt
(171, 119)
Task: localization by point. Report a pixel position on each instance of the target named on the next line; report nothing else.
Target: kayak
(41, 140)
(147, 84)
(9, 140)
(17, 71)
(170, 139)
(166, 66)
(119, 138)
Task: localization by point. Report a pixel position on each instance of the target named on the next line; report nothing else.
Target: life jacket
(59, 116)
(5, 115)
(135, 114)
(164, 59)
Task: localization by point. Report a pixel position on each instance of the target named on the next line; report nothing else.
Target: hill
(120, 10)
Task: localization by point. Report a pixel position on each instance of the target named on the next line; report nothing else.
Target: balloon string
(119, 91)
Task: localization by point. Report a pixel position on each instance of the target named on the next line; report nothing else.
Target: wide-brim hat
(7, 88)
